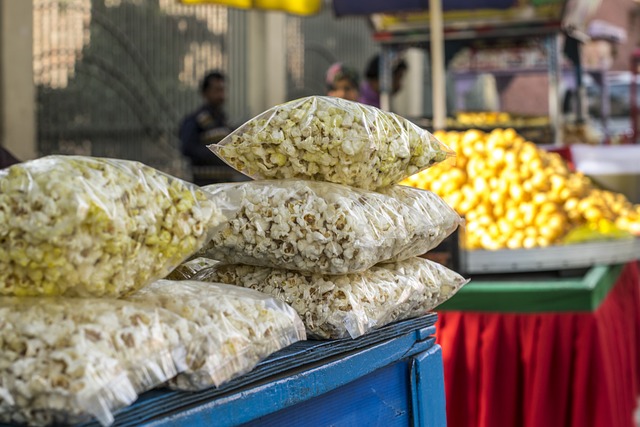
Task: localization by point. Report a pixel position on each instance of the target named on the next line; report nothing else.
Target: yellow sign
(296, 7)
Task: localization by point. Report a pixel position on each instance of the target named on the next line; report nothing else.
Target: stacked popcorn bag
(116, 278)
(323, 227)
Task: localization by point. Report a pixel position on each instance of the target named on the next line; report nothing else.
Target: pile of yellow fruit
(515, 195)
(484, 119)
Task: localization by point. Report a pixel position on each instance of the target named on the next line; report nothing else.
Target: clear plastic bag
(238, 328)
(319, 227)
(437, 220)
(188, 269)
(331, 139)
(63, 361)
(84, 226)
(352, 304)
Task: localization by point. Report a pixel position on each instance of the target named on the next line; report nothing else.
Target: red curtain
(545, 370)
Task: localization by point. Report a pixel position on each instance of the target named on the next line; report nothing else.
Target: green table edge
(583, 294)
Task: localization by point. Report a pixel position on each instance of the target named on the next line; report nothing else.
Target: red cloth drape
(545, 369)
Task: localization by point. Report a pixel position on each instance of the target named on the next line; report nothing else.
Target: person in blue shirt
(208, 125)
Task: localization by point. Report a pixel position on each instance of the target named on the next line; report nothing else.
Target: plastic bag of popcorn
(65, 360)
(321, 227)
(84, 226)
(331, 139)
(349, 305)
(436, 221)
(238, 328)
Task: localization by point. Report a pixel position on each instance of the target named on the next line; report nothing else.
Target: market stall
(546, 332)
(544, 350)
(303, 298)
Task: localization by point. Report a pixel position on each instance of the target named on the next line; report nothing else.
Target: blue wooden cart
(389, 377)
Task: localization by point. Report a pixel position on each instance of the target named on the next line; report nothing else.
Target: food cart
(392, 376)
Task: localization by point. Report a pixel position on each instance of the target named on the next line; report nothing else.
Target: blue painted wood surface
(428, 396)
(248, 404)
(381, 398)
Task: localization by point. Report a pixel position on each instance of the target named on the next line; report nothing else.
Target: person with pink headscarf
(342, 82)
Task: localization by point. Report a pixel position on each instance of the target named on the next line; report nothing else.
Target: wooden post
(17, 90)
(438, 81)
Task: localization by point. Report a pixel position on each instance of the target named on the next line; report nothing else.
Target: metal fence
(114, 77)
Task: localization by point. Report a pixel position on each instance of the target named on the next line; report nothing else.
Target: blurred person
(342, 82)
(208, 125)
(370, 88)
